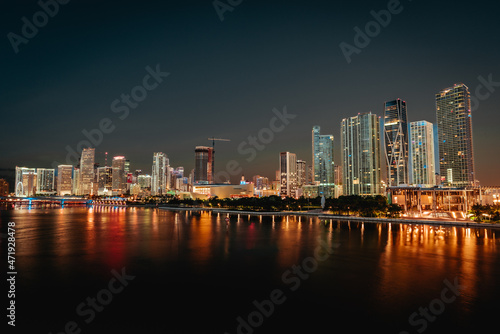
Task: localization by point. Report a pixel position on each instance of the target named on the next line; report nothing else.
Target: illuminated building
(144, 181)
(203, 168)
(361, 154)
(396, 142)
(323, 162)
(288, 174)
(4, 187)
(301, 173)
(454, 123)
(422, 153)
(45, 181)
(105, 181)
(204, 191)
(64, 180)
(159, 174)
(25, 181)
(119, 177)
(260, 182)
(77, 181)
(87, 171)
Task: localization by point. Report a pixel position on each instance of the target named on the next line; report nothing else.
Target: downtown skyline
(232, 92)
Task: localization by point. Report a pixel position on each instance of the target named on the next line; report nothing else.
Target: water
(194, 273)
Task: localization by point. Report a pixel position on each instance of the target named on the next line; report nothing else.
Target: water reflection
(390, 269)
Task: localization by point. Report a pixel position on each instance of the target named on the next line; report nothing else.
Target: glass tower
(361, 154)
(323, 162)
(456, 155)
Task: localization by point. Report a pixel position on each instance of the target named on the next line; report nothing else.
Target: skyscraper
(396, 142)
(77, 181)
(105, 180)
(119, 177)
(454, 122)
(301, 173)
(87, 171)
(64, 180)
(422, 153)
(45, 178)
(159, 174)
(361, 154)
(203, 165)
(288, 174)
(323, 162)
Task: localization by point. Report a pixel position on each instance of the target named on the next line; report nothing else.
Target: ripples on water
(196, 273)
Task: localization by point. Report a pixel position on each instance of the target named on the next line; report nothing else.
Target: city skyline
(220, 84)
(410, 153)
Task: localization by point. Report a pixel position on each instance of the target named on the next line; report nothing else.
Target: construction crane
(213, 139)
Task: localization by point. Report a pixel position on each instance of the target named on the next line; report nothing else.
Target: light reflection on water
(385, 270)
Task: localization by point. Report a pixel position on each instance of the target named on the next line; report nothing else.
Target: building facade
(45, 181)
(119, 176)
(87, 171)
(64, 180)
(323, 162)
(203, 167)
(159, 174)
(288, 174)
(25, 182)
(361, 155)
(422, 153)
(105, 181)
(454, 123)
(396, 142)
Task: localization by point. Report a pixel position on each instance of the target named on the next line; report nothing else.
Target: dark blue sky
(227, 76)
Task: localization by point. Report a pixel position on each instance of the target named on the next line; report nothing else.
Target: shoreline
(323, 215)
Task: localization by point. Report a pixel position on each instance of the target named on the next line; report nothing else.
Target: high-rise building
(422, 153)
(77, 181)
(454, 122)
(64, 180)
(260, 182)
(4, 187)
(361, 154)
(119, 178)
(301, 173)
(45, 178)
(322, 155)
(396, 142)
(105, 181)
(203, 165)
(25, 181)
(87, 171)
(144, 181)
(288, 174)
(323, 162)
(159, 174)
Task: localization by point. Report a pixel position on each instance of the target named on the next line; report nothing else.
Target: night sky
(226, 77)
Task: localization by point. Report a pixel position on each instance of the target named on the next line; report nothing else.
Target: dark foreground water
(108, 270)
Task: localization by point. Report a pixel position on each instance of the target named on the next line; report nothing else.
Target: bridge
(44, 200)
